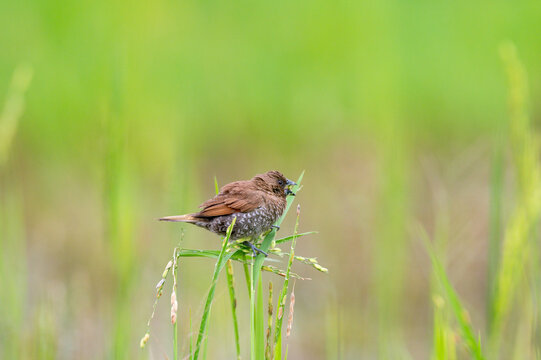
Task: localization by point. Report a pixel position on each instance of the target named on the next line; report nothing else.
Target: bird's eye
(280, 182)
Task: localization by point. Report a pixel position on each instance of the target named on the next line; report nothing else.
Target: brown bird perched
(256, 203)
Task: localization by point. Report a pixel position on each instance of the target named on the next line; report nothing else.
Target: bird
(256, 203)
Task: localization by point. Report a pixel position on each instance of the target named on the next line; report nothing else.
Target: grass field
(416, 124)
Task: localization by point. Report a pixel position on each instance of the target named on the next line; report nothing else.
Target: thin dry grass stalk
(282, 273)
(172, 264)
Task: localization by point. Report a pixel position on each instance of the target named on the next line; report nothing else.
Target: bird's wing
(231, 199)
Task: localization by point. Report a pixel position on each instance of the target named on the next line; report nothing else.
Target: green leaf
(216, 187)
(466, 330)
(222, 259)
(287, 238)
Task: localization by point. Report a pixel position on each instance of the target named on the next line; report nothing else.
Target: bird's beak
(289, 182)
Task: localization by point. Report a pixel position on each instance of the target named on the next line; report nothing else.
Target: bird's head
(274, 182)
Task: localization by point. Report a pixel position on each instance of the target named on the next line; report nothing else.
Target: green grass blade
(222, 259)
(466, 330)
(444, 337)
(238, 255)
(205, 348)
(247, 274)
(288, 238)
(232, 297)
(216, 187)
(278, 349)
(253, 340)
(259, 326)
(212, 254)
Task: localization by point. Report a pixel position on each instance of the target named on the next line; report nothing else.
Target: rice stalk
(159, 292)
(282, 297)
(282, 273)
(517, 245)
(232, 297)
(247, 275)
(222, 259)
(268, 347)
(472, 343)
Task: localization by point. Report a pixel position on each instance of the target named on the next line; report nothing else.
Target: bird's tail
(189, 218)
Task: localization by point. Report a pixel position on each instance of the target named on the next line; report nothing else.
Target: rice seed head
(159, 288)
(174, 307)
(321, 268)
(144, 340)
(291, 311)
(160, 284)
(166, 270)
(229, 268)
(270, 299)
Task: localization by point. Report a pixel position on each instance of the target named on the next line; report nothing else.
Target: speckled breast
(250, 224)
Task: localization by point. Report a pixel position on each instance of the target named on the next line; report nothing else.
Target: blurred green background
(393, 108)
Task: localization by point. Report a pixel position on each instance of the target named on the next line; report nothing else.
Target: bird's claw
(255, 249)
(276, 227)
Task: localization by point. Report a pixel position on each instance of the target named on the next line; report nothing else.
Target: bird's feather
(179, 218)
(239, 196)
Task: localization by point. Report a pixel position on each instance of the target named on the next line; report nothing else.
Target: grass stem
(282, 297)
(222, 259)
(231, 286)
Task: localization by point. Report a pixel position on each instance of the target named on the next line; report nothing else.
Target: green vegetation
(230, 250)
(115, 114)
(511, 271)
